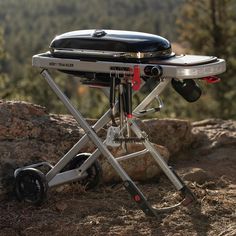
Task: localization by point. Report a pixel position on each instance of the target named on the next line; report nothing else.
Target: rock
(214, 133)
(197, 175)
(61, 206)
(29, 134)
(230, 230)
(174, 134)
(141, 168)
(213, 150)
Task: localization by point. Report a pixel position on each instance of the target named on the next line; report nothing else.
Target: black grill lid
(112, 43)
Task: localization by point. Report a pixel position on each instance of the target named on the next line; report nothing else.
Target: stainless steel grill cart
(120, 63)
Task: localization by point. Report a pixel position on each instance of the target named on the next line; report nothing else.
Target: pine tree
(5, 85)
(208, 27)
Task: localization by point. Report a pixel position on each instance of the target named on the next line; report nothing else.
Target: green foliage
(29, 26)
(208, 26)
(5, 85)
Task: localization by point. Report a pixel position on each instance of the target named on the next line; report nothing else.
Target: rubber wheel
(31, 186)
(94, 172)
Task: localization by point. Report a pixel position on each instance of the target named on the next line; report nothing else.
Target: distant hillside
(30, 25)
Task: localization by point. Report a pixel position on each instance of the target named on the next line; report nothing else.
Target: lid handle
(99, 33)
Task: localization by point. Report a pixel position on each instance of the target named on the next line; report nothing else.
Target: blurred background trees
(208, 26)
(200, 27)
(5, 85)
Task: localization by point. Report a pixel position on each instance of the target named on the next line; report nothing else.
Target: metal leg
(158, 158)
(85, 126)
(53, 178)
(128, 183)
(148, 145)
(81, 143)
(98, 125)
(76, 148)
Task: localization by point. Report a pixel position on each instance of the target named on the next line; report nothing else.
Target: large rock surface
(29, 134)
(214, 133)
(174, 134)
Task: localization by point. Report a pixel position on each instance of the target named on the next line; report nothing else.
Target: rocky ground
(203, 153)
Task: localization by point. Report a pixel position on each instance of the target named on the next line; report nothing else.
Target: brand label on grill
(55, 64)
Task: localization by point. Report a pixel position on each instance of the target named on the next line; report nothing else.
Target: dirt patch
(203, 153)
(109, 210)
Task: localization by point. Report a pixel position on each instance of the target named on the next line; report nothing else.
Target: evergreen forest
(204, 27)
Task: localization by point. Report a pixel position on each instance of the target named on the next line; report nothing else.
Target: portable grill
(119, 63)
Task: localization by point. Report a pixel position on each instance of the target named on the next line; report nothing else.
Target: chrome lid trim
(136, 55)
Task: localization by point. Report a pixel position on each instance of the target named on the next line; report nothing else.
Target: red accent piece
(211, 79)
(136, 81)
(129, 116)
(137, 198)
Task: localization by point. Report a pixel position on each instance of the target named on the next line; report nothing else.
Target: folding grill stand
(56, 177)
